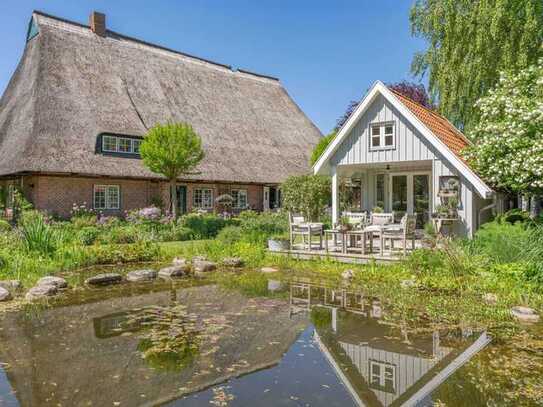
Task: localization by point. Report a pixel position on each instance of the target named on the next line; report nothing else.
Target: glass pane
(99, 198)
(380, 191)
(375, 141)
(399, 196)
(421, 198)
(109, 143)
(375, 130)
(389, 129)
(113, 197)
(389, 140)
(125, 145)
(136, 146)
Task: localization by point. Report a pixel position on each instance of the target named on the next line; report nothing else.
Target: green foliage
(119, 253)
(258, 227)
(88, 235)
(321, 146)
(4, 226)
(203, 226)
(37, 235)
(230, 235)
(321, 317)
(469, 43)
(508, 151)
(502, 242)
(307, 194)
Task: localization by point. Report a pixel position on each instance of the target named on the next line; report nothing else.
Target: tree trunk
(525, 203)
(173, 197)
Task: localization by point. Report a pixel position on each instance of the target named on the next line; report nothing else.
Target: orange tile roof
(437, 124)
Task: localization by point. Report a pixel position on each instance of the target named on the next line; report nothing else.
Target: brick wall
(56, 194)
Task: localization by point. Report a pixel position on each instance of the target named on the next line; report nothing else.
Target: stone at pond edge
(4, 295)
(141, 275)
(232, 262)
(104, 279)
(202, 266)
(268, 270)
(41, 291)
(524, 314)
(179, 261)
(58, 282)
(274, 285)
(11, 285)
(174, 271)
(199, 258)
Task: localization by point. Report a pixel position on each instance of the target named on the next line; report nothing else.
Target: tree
(413, 91)
(470, 42)
(172, 150)
(307, 194)
(321, 146)
(508, 151)
(348, 112)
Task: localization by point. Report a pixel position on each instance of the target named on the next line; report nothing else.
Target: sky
(326, 53)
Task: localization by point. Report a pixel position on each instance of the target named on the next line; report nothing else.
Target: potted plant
(452, 207)
(344, 224)
(279, 242)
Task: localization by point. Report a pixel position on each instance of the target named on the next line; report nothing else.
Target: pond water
(195, 344)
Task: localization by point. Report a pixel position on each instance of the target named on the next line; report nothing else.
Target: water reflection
(323, 346)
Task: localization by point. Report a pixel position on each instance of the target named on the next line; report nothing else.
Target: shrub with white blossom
(508, 149)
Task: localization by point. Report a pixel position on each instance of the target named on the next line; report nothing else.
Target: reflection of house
(379, 364)
(86, 354)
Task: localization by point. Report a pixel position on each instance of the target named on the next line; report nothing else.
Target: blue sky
(326, 53)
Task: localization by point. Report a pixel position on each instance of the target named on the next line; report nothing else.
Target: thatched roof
(72, 85)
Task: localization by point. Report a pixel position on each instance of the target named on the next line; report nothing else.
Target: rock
(104, 279)
(174, 271)
(274, 285)
(268, 270)
(347, 274)
(5, 295)
(524, 314)
(490, 298)
(408, 283)
(41, 291)
(233, 262)
(58, 282)
(203, 266)
(179, 261)
(141, 275)
(11, 285)
(199, 258)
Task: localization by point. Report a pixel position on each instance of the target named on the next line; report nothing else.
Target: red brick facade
(56, 194)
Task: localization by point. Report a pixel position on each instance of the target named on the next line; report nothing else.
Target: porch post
(335, 196)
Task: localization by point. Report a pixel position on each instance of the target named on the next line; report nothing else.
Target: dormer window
(382, 136)
(120, 145)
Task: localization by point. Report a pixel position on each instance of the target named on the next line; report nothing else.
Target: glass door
(181, 199)
(399, 196)
(421, 198)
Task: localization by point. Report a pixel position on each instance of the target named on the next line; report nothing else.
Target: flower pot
(276, 245)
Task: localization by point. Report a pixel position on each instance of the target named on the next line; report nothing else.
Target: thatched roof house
(83, 96)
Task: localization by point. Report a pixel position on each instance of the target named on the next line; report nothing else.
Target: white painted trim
(379, 88)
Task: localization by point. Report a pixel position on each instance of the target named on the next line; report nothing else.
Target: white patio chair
(403, 232)
(378, 222)
(358, 220)
(299, 227)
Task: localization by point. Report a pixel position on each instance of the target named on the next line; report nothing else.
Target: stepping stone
(203, 266)
(104, 279)
(179, 261)
(274, 285)
(233, 262)
(11, 285)
(41, 291)
(199, 258)
(5, 295)
(141, 275)
(174, 271)
(58, 282)
(525, 314)
(268, 270)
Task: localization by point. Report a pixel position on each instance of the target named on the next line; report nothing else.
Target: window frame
(107, 197)
(381, 376)
(236, 198)
(194, 198)
(107, 138)
(382, 135)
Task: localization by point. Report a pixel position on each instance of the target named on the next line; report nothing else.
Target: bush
(123, 253)
(258, 227)
(120, 235)
(502, 242)
(307, 194)
(173, 232)
(36, 234)
(88, 235)
(203, 226)
(4, 226)
(230, 235)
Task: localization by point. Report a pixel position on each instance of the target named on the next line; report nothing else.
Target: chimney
(98, 23)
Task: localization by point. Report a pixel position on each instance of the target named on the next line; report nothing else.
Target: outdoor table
(335, 233)
(351, 235)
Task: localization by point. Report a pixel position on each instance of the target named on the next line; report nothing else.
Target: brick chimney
(98, 23)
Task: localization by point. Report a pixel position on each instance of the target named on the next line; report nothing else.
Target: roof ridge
(114, 34)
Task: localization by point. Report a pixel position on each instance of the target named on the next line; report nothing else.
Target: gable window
(202, 198)
(107, 197)
(382, 376)
(118, 144)
(240, 198)
(382, 136)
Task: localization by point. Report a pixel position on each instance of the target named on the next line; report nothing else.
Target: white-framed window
(382, 376)
(107, 197)
(240, 198)
(118, 144)
(382, 136)
(202, 198)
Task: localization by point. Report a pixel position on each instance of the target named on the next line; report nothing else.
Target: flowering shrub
(508, 149)
(149, 214)
(81, 210)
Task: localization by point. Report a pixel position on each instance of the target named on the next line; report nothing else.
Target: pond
(192, 343)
